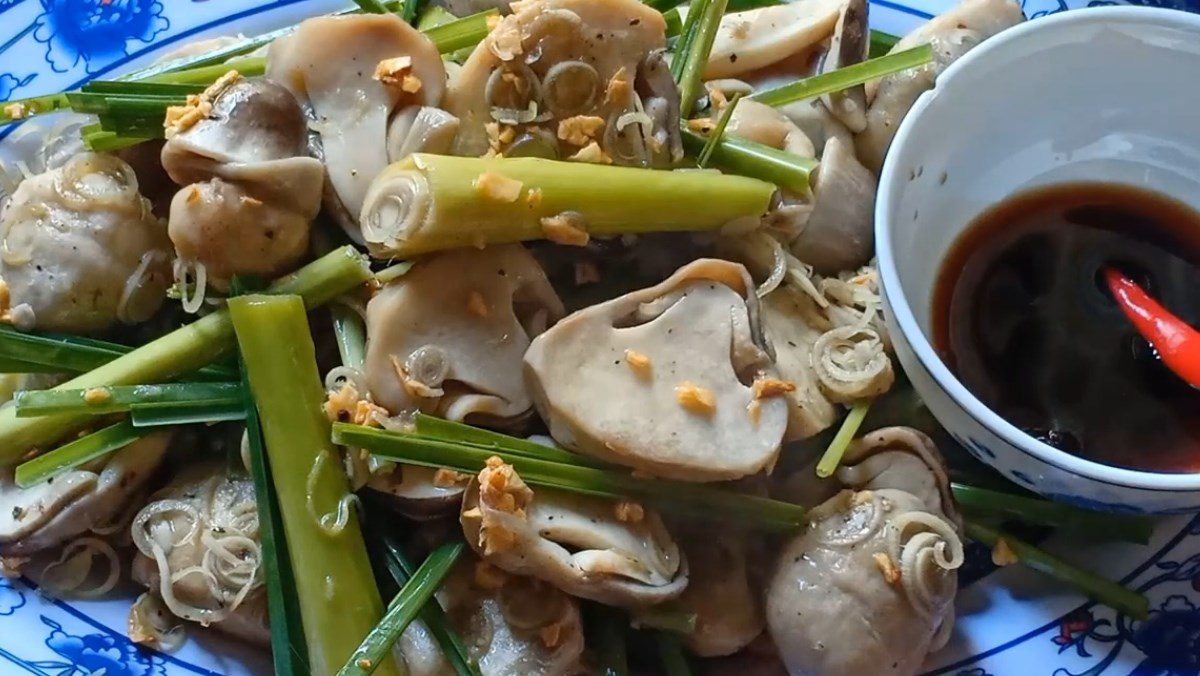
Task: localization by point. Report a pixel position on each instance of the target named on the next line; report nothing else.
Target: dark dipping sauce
(1023, 317)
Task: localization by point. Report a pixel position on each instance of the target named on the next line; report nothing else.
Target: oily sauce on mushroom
(1023, 317)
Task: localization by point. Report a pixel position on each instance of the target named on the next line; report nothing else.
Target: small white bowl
(1108, 94)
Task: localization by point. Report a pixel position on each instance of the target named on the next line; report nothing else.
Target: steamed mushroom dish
(486, 344)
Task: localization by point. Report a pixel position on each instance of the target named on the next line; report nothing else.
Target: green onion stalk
(845, 77)
(718, 133)
(428, 203)
(754, 160)
(832, 457)
(1097, 588)
(39, 352)
(687, 499)
(94, 401)
(990, 504)
(694, 50)
(339, 602)
(180, 352)
(78, 452)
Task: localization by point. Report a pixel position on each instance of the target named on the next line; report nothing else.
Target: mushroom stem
(430, 202)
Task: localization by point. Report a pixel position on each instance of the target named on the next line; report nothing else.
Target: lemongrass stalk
(82, 450)
(447, 430)
(432, 202)
(674, 496)
(117, 399)
(62, 353)
(696, 57)
(1099, 589)
(881, 43)
(157, 415)
(755, 160)
(403, 610)
(829, 462)
(339, 603)
(460, 33)
(717, 134)
(846, 77)
(670, 651)
(984, 502)
(179, 352)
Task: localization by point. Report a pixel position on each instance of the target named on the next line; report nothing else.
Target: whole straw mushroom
(869, 587)
(688, 356)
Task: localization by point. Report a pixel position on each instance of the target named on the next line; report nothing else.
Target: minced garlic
(771, 387)
(15, 111)
(447, 478)
(701, 124)
(534, 197)
(639, 362)
(499, 135)
(97, 395)
(367, 413)
(476, 305)
(193, 196)
(891, 572)
(415, 388)
(502, 489)
(580, 129)
(592, 154)
(754, 409)
(1002, 554)
(629, 512)
(496, 187)
(695, 398)
(197, 106)
(339, 405)
(564, 229)
(397, 73)
(618, 89)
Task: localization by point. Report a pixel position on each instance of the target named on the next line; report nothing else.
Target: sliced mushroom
(51, 512)
(847, 47)
(951, 34)
(686, 354)
(199, 551)
(420, 129)
(817, 123)
(614, 553)
(250, 194)
(809, 410)
(869, 587)
(763, 124)
(512, 625)
(755, 38)
(449, 335)
(660, 101)
(570, 67)
(80, 249)
(723, 596)
(419, 493)
(839, 233)
(353, 72)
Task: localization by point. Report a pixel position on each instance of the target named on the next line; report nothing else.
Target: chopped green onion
(20, 109)
(123, 87)
(350, 335)
(694, 51)
(63, 353)
(675, 496)
(338, 599)
(665, 617)
(881, 43)
(609, 626)
(674, 22)
(289, 652)
(371, 6)
(248, 66)
(846, 77)
(984, 502)
(1099, 589)
(108, 141)
(755, 160)
(402, 611)
(118, 399)
(670, 651)
(432, 615)
(440, 429)
(465, 32)
(718, 132)
(833, 455)
(81, 451)
(156, 415)
(177, 353)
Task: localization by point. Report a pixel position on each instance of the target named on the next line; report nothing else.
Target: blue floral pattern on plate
(51, 45)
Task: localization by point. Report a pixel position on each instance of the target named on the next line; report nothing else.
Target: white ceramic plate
(1010, 621)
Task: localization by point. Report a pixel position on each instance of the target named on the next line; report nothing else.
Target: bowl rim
(892, 182)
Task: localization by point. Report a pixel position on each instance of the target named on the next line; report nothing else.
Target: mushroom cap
(475, 311)
(82, 249)
(420, 129)
(605, 42)
(809, 410)
(729, 613)
(698, 330)
(329, 63)
(51, 512)
(756, 38)
(414, 493)
(576, 543)
(951, 34)
(764, 124)
(839, 234)
(869, 587)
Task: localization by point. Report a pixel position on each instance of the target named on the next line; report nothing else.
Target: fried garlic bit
(415, 388)
(629, 512)
(5, 302)
(580, 130)
(891, 572)
(695, 398)
(534, 197)
(477, 306)
(496, 187)
(1002, 554)
(502, 489)
(592, 154)
(346, 405)
(447, 478)
(197, 106)
(639, 362)
(618, 87)
(397, 74)
(15, 111)
(499, 136)
(764, 388)
(97, 395)
(565, 228)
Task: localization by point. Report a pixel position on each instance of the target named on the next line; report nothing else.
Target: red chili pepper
(1177, 343)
